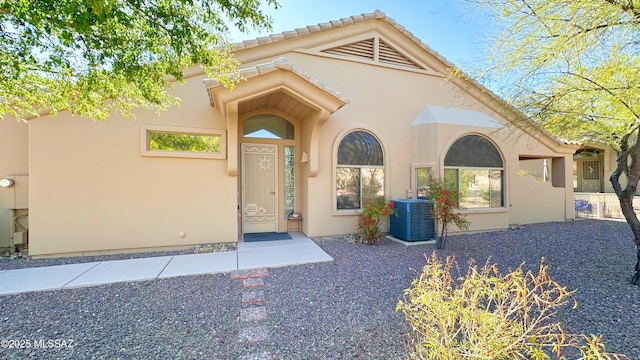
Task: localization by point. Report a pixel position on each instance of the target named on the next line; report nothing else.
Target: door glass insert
(422, 178)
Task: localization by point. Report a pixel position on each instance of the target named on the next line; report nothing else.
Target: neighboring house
(593, 165)
(327, 115)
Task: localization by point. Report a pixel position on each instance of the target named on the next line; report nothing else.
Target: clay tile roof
(333, 24)
(377, 14)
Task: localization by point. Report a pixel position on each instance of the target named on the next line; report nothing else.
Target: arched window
(267, 126)
(474, 166)
(360, 170)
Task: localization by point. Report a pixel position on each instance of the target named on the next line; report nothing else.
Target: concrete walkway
(267, 254)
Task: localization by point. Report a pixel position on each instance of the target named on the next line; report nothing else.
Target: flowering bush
(374, 212)
(445, 205)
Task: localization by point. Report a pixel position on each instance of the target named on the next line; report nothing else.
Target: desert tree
(573, 66)
(97, 57)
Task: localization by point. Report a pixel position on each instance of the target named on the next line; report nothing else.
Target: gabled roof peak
(456, 75)
(333, 24)
(379, 14)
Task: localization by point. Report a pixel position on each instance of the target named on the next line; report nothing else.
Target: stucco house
(593, 164)
(327, 115)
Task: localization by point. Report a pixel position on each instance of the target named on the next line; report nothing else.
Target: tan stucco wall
(91, 190)
(610, 164)
(534, 168)
(305, 182)
(535, 201)
(14, 164)
(388, 112)
(512, 144)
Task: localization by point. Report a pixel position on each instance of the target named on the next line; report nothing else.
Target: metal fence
(601, 205)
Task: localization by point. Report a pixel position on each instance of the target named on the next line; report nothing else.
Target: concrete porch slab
(275, 243)
(280, 253)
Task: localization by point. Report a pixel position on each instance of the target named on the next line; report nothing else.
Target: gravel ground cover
(339, 310)
(19, 261)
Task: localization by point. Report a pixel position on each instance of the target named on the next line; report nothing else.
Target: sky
(449, 27)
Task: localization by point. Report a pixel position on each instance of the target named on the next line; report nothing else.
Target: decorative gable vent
(374, 49)
(389, 55)
(362, 49)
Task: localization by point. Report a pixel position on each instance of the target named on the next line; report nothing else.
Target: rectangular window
(451, 178)
(184, 142)
(478, 188)
(348, 188)
(169, 141)
(289, 180)
(353, 184)
(422, 175)
(372, 182)
(495, 188)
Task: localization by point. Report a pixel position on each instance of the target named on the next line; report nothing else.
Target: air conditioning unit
(414, 221)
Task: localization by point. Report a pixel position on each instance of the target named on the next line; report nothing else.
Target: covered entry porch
(274, 119)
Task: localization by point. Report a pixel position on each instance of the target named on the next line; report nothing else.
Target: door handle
(273, 191)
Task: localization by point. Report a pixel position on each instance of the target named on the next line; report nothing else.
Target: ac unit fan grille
(414, 221)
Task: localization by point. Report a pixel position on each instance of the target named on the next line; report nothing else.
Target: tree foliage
(574, 67)
(93, 57)
(575, 64)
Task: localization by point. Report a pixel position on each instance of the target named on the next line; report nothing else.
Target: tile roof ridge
(309, 29)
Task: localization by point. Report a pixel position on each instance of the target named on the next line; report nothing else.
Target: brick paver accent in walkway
(253, 311)
(252, 283)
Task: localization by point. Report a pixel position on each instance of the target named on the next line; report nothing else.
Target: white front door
(259, 188)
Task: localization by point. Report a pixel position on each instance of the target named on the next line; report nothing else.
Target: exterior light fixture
(6, 183)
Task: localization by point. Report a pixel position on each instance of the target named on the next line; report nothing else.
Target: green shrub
(485, 315)
(446, 210)
(375, 211)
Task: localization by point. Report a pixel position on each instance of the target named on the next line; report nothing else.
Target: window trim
(144, 142)
(384, 167)
(413, 186)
